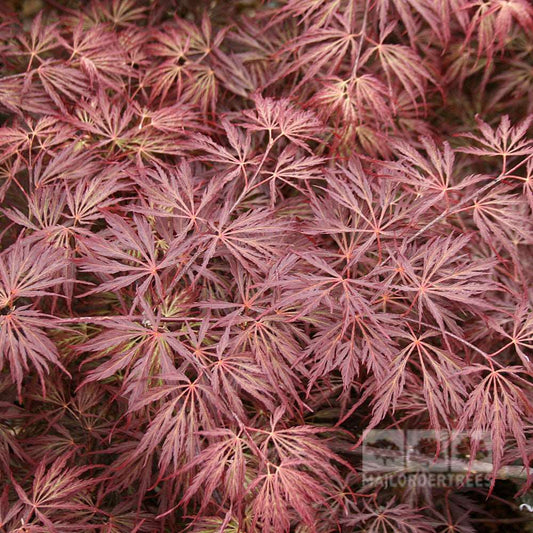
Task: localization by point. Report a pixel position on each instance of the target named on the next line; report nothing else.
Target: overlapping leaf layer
(238, 236)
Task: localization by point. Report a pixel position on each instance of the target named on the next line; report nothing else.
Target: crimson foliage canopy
(238, 236)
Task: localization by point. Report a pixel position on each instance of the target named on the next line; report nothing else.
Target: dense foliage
(237, 236)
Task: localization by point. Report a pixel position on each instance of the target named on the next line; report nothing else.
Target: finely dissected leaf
(189, 407)
(223, 465)
(296, 470)
(290, 168)
(23, 341)
(42, 38)
(356, 100)
(131, 252)
(106, 119)
(401, 64)
(410, 10)
(87, 200)
(282, 119)
(502, 220)
(436, 274)
(56, 482)
(492, 22)
(252, 238)
(432, 176)
(67, 164)
(284, 493)
(322, 49)
(235, 161)
(518, 329)
(318, 12)
(60, 81)
(97, 52)
(352, 343)
(298, 443)
(31, 135)
(27, 271)
(178, 194)
(505, 141)
(238, 375)
(359, 213)
(390, 518)
(56, 485)
(443, 390)
(497, 405)
(139, 350)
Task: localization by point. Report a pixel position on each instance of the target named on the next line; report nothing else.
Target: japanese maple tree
(236, 237)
